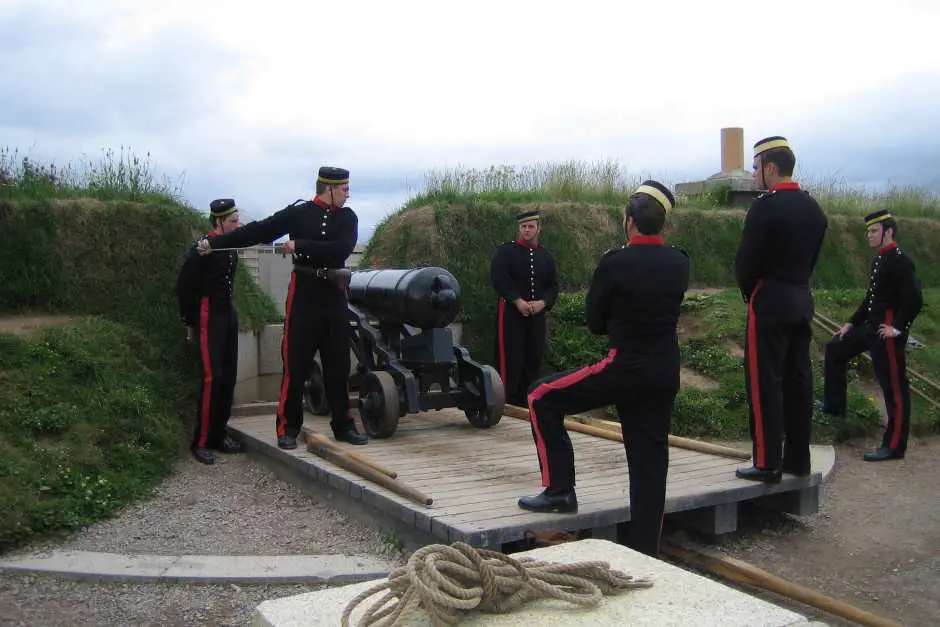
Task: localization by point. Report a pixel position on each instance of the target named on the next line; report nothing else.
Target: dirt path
(875, 543)
(28, 325)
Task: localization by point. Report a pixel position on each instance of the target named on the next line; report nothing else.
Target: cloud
(248, 103)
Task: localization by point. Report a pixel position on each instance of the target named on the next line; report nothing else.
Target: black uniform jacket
(325, 237)
(893, 288)
(636, 293)
(518, 271)
(211, 276)
(783, 234)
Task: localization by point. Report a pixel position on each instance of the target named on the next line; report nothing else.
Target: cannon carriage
(405, 359)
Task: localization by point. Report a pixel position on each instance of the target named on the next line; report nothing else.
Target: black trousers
(520, 348)
(217, 336)
(890, 362)
(309, 326)
(644, 389)
(779, 380)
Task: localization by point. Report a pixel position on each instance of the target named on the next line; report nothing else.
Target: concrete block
(269, 349)
(247, 356)
(677, 597)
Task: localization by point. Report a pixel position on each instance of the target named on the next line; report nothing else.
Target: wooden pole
(743, 572)
(366, 472)
(310, 436)
(574, 423)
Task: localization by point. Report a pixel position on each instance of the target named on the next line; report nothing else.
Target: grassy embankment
(93, 411)
(462, 215)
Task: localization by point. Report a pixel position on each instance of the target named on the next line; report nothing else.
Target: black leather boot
(351, 436)
(560, 500)
(203, 456)
(882, 454)
(287, 442)
(758, 474)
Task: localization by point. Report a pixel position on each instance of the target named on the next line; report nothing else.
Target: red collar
(212, 233)
(781, 186)
(525, 244)
(887, 248)
(655, 240)
(320, 203)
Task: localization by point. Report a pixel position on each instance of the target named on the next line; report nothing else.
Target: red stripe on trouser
(206, 408)
(501, 340)
(754, 376)
(895, 382)
(553, 386)
(285, 379)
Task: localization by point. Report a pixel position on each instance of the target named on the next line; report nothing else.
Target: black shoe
(351, 436)
(287, 442)
(203, 456)
(882, 454)
(758, 474)
(228, 445)
(561, 501)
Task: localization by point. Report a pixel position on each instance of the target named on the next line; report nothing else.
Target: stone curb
(244, 569)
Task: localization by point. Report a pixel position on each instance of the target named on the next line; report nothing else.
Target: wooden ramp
(476, 476)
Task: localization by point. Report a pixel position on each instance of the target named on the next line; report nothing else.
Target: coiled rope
(446, 580)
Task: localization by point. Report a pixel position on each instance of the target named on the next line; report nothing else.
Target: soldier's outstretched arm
(261, 232)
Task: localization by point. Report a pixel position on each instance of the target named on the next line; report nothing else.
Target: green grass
(608, 182)
(88, 423)
(121, 176)
(93, 412)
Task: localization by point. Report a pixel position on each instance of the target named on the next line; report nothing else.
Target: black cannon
(405, 358)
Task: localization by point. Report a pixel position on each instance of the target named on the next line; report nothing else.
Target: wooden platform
(476, 476)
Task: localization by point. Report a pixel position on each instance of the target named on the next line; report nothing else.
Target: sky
(248, 100)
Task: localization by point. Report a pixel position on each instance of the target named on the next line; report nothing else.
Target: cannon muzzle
(426, 298)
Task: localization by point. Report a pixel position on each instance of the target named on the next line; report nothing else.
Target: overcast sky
(247, 100)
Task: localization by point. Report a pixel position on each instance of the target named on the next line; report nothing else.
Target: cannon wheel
(482, 417)
(315, 392)
(378, 404)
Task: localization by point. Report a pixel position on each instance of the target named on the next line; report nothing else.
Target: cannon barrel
(426, 298)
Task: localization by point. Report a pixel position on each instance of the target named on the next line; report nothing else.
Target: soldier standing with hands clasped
(323, 233)
(205, 290)
(524, 276)
(783, 234)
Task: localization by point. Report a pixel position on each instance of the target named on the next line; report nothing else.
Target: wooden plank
(476, 496)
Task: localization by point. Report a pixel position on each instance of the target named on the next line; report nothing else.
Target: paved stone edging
(245, 569)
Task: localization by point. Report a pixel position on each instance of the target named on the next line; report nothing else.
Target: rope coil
(445, 580)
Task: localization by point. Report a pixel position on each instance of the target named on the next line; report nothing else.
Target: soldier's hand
(537, 306)
(885, 331)
(202, 246)
(845, 328)
(523, 307)
(289, 247)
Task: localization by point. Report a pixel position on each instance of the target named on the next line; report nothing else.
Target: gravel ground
(42, 601)
(875, 542)
(235, 507)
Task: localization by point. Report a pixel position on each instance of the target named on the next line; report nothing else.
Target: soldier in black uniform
(205, 290)
(880, 325)
(525, 278)
(323, 233)
(783, 234)
(634, 298)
